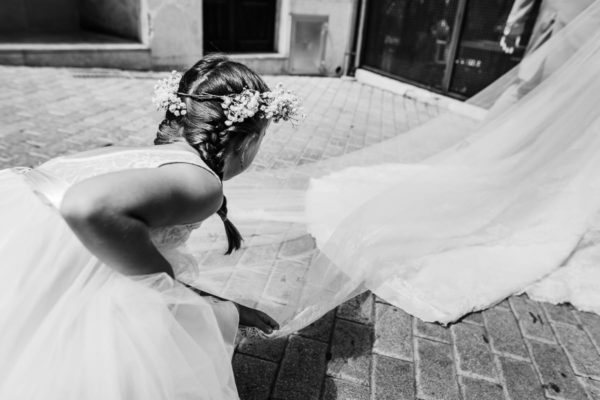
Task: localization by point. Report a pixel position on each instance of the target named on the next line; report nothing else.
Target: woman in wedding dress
(93, 300)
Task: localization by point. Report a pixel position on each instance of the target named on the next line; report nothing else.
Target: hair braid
(203, 126)
(212, 150)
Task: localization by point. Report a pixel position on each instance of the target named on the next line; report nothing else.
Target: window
(479, 58)
(239, 26)
(409, 38)
(449, 46)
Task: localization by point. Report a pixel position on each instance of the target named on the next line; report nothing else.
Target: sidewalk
(366, 349)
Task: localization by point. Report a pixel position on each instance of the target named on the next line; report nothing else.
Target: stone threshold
(132, 56)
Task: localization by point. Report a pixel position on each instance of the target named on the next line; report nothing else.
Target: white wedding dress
(451, 217)
(72, 328)
(513, 207)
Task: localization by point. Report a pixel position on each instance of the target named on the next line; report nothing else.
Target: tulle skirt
(71, 328)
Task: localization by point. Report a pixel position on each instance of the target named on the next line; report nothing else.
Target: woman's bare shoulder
(192, 179)
(178, 193)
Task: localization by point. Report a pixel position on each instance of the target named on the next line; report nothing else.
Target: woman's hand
(509, 42)
(256, 319)
(249, 317)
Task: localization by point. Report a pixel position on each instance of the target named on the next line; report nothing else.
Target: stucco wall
(174, 31)
(118, 17)
(339, 27)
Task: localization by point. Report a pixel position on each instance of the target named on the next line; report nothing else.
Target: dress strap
(183, 156)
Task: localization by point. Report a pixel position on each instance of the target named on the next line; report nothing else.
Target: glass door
(479, 58)
(448, 46)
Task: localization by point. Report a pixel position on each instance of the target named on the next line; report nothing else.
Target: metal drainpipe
(358, 14)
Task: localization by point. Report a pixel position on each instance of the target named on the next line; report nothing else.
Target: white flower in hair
(238, 107)
(277, 105)
(284, 105)
(165, 95)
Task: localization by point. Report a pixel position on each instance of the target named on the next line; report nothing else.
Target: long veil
(450, 217)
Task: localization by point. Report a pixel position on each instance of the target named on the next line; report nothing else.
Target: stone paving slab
(366, 349)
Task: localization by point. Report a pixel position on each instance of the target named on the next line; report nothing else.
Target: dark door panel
(409, 38)
(239, 26)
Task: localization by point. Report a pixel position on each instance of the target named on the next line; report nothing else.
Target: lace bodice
(62, 172)
(172, 236)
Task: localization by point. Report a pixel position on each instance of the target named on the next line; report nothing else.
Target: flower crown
(277, 105)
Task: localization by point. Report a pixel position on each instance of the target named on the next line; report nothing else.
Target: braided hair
(203, 126)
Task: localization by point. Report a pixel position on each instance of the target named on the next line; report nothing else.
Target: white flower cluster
(238, 107)
(277, 105)
(282, 104)
(165, 95)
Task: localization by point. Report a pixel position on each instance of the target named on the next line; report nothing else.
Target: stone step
(99, 55)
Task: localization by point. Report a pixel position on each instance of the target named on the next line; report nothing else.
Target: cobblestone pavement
(366, 349)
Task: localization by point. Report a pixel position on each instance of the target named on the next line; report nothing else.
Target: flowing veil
(450, 217)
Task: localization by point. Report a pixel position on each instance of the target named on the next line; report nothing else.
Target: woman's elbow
(76, 208)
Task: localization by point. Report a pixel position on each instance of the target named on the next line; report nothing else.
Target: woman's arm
(515, 25)
(112, 214)
(519, 14)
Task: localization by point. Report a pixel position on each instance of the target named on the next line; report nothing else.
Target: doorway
(239, 26)
(70, 21)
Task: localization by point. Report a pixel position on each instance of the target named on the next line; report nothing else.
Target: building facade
(447, 46)
(273, 36)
